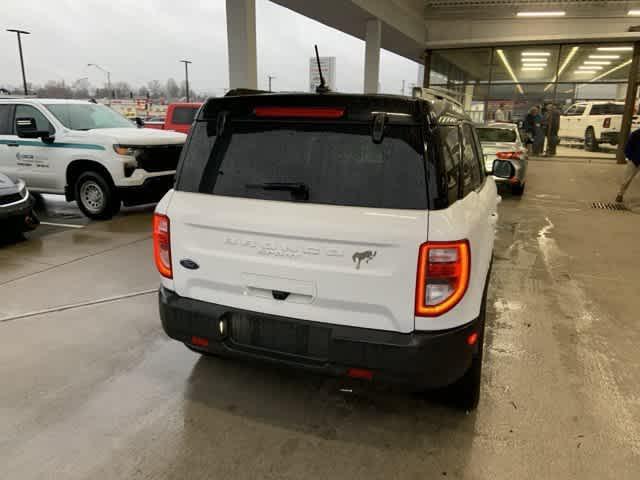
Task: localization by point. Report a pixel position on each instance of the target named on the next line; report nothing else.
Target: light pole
(186, 76)
(270, 77)
(108, 76)
(18, 33)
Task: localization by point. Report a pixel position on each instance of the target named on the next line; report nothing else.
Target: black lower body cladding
(152, 190)
(418, 359)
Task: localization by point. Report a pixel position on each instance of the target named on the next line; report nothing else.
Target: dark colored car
(16, 207)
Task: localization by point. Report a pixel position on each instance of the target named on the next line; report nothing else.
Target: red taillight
(509, 155)
(606, 123)
(472, 339)
(299, 112)
(443, 276)
(162, 245)
(199, 341)
(360, 373)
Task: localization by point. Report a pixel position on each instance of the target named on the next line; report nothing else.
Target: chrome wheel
(92, 196)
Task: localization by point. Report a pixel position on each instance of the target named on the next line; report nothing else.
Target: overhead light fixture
(615, 49)
(598, 62)
(590, 67)
(532, 65)
(564, 65)
(541, 14)
(584, 72)
(622, 65)
(534, 60)
(536, 54)
(532, 68)
(612, 57)
(633, 13)
(505, 62)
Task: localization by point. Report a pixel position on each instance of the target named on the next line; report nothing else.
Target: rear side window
(471, 171)
(41, 121)
(607, 109)
(316, 163)
(184, 115)
(451, 149)
(6, 123)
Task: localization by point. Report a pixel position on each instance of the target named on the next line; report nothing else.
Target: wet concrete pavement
(98, 391)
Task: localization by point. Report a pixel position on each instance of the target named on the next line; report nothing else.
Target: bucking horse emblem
(358, 257)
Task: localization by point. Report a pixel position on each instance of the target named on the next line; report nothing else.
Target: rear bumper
(20, 216)
(418, 359)
(151, 190)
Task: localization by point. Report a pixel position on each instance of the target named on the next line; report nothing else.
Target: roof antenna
(322, 88)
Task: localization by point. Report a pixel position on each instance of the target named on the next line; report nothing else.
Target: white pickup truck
(593, 123)
(87, 152)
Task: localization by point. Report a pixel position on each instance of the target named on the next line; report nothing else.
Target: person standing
(632, 152)
(538, 132)
(529, 126)
(500, 115)
(552, 126)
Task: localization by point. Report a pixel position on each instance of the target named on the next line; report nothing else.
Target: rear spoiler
(236, 92)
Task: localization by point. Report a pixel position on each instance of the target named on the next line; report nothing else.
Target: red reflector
(199, 342)
(360, 373)
(472, 339)
(299, 112)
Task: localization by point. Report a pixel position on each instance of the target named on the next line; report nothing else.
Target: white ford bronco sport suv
(86, 151)
(345, 234)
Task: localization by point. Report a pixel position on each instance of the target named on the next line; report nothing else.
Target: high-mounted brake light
(299, 112)
(443, 276)
(606, 123)
(162, 245)
(509, 155)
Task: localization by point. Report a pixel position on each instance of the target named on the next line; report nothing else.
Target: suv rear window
(493, 135)
(184, 115)
(325, 163)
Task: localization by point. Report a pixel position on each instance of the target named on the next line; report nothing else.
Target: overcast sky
(143, 40)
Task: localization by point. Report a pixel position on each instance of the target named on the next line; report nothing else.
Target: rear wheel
(466, 391)
(590, 142)
(517, 189)
(95, 196)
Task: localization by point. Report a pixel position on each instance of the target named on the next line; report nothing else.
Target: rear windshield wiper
(299, 191)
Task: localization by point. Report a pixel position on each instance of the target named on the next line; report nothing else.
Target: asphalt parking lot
(92, 388)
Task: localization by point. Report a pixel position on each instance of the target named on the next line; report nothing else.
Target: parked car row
(297, 222)
(87, 152)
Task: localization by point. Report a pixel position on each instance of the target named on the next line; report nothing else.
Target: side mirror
(26, 128)
(139, 122)
(503, 169)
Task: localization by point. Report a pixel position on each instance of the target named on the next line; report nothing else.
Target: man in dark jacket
(632, 152)
(552, 121)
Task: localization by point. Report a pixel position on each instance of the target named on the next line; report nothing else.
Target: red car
(179, 118)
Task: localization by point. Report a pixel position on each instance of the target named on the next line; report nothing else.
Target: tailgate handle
(279, 294)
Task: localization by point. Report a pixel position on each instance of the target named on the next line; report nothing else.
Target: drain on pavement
(609, 206)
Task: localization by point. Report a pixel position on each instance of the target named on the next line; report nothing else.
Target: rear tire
(590, 142)
(96, 196)
(518, 189)
(465, 392)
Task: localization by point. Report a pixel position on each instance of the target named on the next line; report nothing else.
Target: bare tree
(155, 89)
(55, 89)
(172, 89)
